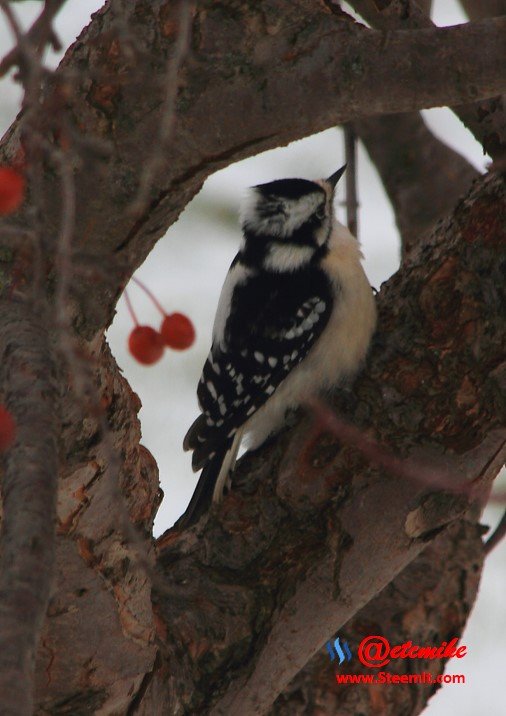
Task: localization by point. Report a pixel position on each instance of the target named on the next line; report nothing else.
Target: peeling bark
(98, 640)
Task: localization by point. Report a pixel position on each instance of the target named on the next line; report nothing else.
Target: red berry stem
(130, 308)
(150, 294)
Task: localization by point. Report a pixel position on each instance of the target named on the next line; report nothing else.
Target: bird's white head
(287, 221)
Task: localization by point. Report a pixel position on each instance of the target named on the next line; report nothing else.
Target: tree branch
(431, 597)
(350, 153)
(479, 9)
(486, 119)
(423, 177)
(498, 535)
(38, 36)
(27, 377)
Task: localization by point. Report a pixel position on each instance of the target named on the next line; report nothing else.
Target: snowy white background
(186, 270)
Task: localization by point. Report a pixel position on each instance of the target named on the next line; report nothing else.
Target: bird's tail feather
(203, 496)
(212, 481)
(227, 466)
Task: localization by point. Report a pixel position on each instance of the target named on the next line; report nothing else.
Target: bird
(294, 319)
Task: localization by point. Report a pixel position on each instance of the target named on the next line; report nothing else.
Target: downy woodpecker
(295, 317)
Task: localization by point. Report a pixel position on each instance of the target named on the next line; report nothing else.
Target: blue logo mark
(339, 649)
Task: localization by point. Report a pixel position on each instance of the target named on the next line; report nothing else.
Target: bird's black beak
(334, 178)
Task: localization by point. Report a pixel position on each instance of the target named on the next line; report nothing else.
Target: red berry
(177, 331)
(145, 344)
(7, 429)
(12, 190)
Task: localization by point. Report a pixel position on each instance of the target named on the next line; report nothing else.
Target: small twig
(328, 421)
(38, 36)
(150, 294)
(23, 50)
(498, 534)
(350, 151)
(130, 307)
(157, 156)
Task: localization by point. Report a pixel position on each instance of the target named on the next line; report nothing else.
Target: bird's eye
(320, 212)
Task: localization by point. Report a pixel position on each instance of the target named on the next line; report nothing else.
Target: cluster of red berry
(12, 192)
(147, 344)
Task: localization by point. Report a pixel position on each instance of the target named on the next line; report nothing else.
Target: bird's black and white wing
(265, 327)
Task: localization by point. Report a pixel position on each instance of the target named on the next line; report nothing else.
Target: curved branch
(29, 481)
(237, 97)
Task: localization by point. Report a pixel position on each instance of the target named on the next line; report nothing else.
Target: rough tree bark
(222, 618)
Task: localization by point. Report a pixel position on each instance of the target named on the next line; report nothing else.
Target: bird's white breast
(341, 349)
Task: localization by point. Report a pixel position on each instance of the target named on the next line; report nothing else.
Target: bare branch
(422, 176)
(276, 537)
(479, 9)
(350, 153)
(29, 485)
(486, 119)
(63, 257)
(358, 73)
(38, 36)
